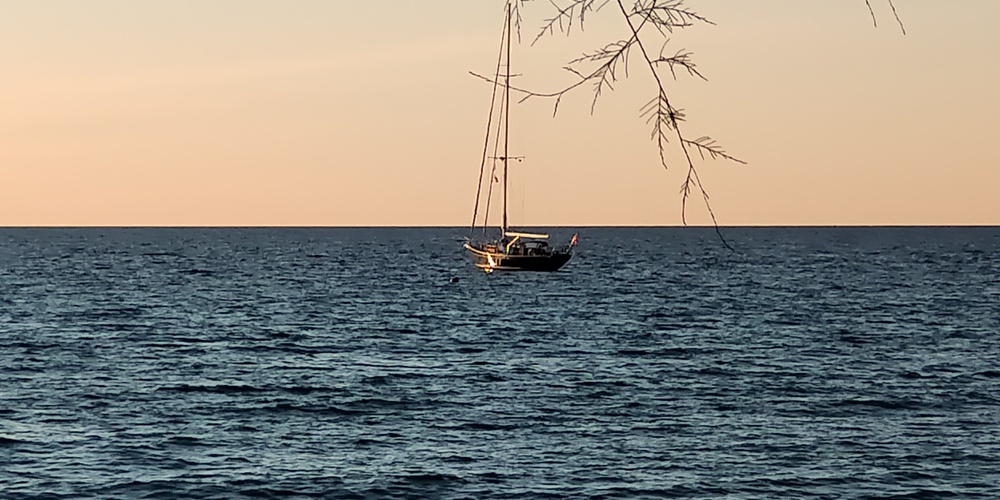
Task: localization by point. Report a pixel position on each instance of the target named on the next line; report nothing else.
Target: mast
(506, 120)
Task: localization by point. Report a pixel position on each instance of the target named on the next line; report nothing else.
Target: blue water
(343, 363)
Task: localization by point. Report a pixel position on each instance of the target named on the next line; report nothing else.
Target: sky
(358, 113)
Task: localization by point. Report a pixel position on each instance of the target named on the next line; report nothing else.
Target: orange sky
(252, 112)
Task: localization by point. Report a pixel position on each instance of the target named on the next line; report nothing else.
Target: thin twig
(898, 20)
(894, 13)
(872, 12)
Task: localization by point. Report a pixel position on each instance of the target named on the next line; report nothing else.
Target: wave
(881, 404)
(9, 441)
(214, 389)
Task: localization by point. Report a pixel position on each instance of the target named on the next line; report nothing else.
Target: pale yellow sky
(254, 112)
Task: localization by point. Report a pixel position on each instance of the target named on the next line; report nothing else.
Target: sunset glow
(267, 113)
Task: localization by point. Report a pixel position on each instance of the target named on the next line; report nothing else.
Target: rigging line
(524, 191)
(493, 173)
(502, 117)
(506, 121)
(486, 147)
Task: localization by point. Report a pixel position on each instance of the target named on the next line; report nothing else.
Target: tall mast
(506, 120)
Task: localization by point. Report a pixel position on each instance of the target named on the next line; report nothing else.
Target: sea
(217, 363)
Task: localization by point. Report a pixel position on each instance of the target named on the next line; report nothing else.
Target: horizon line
(427, 226)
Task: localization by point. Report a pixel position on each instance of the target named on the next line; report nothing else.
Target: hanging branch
(611, 62)
(665, 16)
(667, 118)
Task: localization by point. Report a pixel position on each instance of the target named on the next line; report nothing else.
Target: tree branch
(611, 61)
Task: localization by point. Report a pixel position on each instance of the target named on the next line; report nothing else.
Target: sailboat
(512, 250)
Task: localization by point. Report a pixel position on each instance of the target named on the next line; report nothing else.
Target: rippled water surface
(343, 363)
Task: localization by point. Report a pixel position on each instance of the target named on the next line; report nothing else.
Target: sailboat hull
(499, 261)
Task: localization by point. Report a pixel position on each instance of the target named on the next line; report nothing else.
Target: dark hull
(504, 262)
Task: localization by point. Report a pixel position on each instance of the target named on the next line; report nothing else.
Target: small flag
(572, 242)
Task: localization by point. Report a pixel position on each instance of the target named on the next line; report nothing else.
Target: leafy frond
(575, 11)
(681, 59)
(707, 146)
